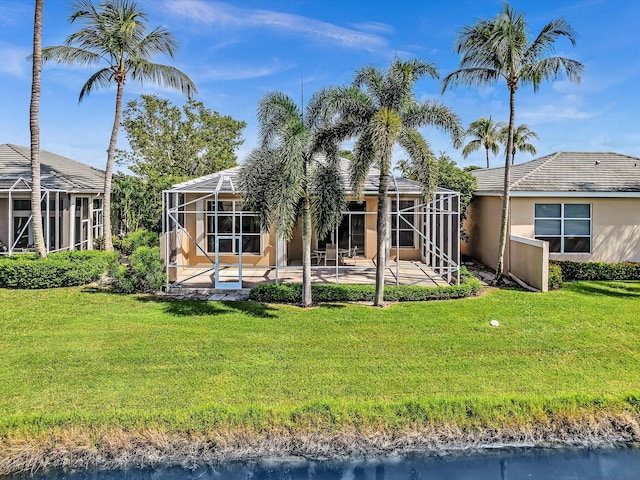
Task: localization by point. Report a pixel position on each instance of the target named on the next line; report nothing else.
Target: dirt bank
(76, 448)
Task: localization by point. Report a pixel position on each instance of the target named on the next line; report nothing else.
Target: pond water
(494, 464)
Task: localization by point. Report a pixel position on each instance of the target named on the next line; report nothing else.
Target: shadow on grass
(199, 308)
(607, 288)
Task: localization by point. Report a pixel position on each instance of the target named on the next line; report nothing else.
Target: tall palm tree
(521, 137)
(115, 33)
(500, 48)
(294, 172)
(485, 133)
(381, 109)
(34, 124)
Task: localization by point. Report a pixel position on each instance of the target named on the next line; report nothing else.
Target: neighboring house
(211, 241)
(72, 194)
(585, 205)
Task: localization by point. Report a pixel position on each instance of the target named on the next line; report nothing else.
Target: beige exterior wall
(195, 223)
(529, 261)
(482, 226)
(615, 226)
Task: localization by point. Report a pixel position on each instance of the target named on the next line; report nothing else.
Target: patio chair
(331, 253)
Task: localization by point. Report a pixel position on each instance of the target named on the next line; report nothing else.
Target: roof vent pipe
(597, 162)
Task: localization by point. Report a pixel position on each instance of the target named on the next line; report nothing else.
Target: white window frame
(415, 222)
(21, 214)
(235, 212)
(562, 218)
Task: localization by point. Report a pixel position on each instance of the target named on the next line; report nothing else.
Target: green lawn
(72, 356)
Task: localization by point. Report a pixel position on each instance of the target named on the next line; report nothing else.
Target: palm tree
(294, 172)
(485, 133)
(381, 109)
(34, 123)
(521, 137)
(115, 33)
(500, 48)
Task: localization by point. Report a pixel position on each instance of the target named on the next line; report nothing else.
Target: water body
(511, 464)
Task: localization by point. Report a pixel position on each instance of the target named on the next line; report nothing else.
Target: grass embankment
(76, 364)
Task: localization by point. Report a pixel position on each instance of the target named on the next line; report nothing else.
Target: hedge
(555, 277)
(292, 292)
(597, 270)
(60, 269)
(144, 272)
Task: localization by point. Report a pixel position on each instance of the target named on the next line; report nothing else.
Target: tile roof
(229, 182)
(56, 172)
(566, 172)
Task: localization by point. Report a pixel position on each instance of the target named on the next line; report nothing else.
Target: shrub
(144, 273)
(292, 292)
(598, 270)
(138, 238)
(60, 269)
(555, 276)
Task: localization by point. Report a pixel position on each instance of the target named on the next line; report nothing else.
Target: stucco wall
(615, 227)
(529, 261)
(482, 226)
(4, 221)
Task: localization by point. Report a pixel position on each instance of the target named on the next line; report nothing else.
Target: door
(228, 274)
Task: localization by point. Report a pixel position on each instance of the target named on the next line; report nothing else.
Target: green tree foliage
(521, 138)
(500, 49)
(115, 33)
(485, 133)
(294, 173)
(169, 144)
(449, 176)
(381, 110)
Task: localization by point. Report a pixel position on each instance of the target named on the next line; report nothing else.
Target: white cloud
(553, 112)
(241, 72)
(14, 60)
(378, 27)
(14, 14)
(217, 13)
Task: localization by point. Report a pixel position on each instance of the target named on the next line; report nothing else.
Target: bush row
(596, 270)
(555, 276)
(292, 292)
(61, 269)
(144, 272)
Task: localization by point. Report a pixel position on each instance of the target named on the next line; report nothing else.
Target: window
(405, 232)
(233, 222)
(22, 228)
(566, 226)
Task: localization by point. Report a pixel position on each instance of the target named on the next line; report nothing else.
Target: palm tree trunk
(487, 150)
(34, 123)
(306, 252)
(381, 246)
(506, 188)
(106, 206)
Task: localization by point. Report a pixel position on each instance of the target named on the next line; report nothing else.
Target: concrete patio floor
(360, 272)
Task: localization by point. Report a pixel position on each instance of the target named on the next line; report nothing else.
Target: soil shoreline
(108, 449)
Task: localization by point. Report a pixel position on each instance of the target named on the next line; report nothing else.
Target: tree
(449, 176)
(34, 124)
(381, 110)
(500, 48)
(485, 133)
(169, 145)
(295, 172)
(521, 136)
(115, 32)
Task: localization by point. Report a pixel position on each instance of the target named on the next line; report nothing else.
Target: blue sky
(236, 52)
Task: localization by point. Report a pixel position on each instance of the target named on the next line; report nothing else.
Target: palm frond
(275, 110)
(543, 44)
(471, 147)
(422, 161)
(328, 200)
(435, 114)
(70, 55)
(158, 42)
(164, 75)
(102, 78)
(363, 158)
(551, 68)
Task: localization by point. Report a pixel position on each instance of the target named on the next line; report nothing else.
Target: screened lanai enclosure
(210, 241)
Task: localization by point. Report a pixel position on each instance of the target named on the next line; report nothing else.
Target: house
(72, 194)
(209, 239)
(586, 205)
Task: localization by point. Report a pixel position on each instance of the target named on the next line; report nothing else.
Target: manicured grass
(73, 356)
